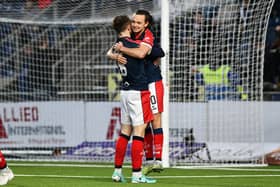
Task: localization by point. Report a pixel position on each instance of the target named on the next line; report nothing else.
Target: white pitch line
(246, 169)
(61, 165)
(230, 169)
(217, 176)
(127, 166)
(159, 177)
(63, 176)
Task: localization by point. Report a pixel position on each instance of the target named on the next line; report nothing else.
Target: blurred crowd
(272, 55)
(198, 27)
(51, 10)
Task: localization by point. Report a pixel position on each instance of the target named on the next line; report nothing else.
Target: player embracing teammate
(141, 34)
(153, 142)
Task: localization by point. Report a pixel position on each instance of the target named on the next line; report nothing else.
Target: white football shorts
(157, 93)
(135, 107)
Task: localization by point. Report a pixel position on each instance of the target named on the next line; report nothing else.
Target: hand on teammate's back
(121, 59)
(118, 46)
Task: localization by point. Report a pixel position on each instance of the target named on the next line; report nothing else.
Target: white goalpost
(59, 93)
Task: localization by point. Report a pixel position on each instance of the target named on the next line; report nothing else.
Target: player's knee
(157, 121)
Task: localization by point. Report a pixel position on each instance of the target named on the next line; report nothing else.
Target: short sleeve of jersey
(148, 38)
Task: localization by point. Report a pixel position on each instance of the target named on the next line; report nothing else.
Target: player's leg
(158, 143)
(157, 93)
(140, 114)
(148, 150)
(121, 144)
(137, 155)
(137, 150)
(6, 173)
(148, 144)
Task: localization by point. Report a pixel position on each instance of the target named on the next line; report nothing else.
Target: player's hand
(277, 28)
(118, 46)
(121, 60)
(157, 62)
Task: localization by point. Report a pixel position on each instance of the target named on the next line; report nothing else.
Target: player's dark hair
(148, 17)
(121, 22)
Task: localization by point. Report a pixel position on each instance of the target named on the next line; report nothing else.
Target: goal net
(216, 70)
(59, 92)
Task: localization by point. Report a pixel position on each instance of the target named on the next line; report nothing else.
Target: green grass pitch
(57, 174)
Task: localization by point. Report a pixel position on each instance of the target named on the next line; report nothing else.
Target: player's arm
(141, 52)
(155, 55)
(111, 55)
(156, 52)
(116, 56)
